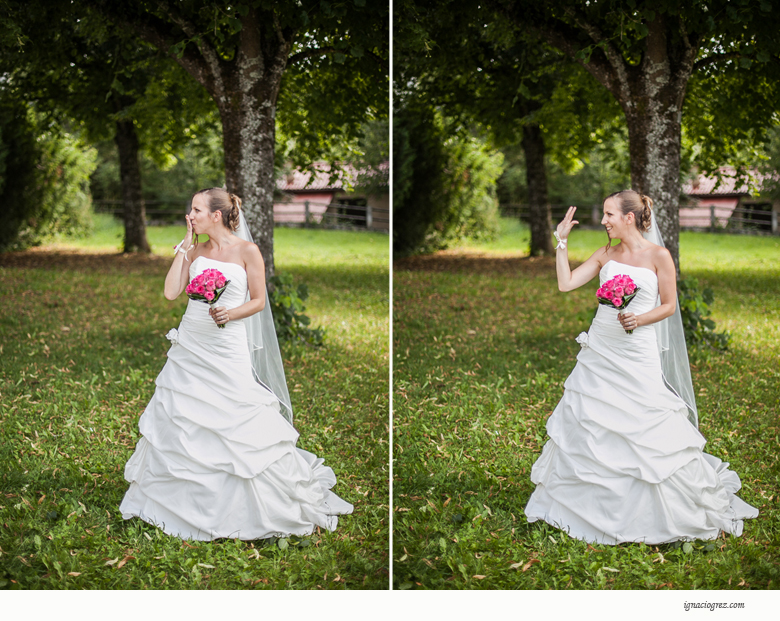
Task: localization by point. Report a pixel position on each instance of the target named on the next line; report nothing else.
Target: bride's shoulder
(603, 255)
(662, 260)
(250, 254)
(660, 255)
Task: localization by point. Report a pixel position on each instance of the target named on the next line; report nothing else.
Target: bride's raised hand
(567, 224)
(188, 238)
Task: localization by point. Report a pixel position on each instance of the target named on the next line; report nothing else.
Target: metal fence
(746, 220)
(299, 214)
(331, 216)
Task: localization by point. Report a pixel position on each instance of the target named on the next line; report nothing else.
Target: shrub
(44, 177)
(287, 307)
(695, 309)
(443, 182)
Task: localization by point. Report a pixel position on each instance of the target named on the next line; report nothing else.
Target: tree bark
(132, 197)
(249, 140)
(654, 146)
(245, 89)
(536, 180)
(651, 94)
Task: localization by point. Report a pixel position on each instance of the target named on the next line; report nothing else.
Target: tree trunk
(246, 90)
(132, 197)
(651, 94)
(654, 116)
(249, 139)
(654, 145)
(536, 180)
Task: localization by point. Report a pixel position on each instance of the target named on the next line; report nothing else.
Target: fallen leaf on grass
(616, 571)
(479, 577)
(527, 566)
(74, 573)
(112, 561)
(123, 561)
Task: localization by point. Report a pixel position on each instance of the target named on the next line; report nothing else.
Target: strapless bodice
(644, 278)
(235, 294)
(646, 299)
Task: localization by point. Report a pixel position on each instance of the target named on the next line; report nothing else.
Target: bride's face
(614, 220)
(200, 216)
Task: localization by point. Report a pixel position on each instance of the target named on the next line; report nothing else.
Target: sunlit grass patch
(482, 346)
(80, 352)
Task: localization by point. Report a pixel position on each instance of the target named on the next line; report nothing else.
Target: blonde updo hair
(221, 200)
(640, 205)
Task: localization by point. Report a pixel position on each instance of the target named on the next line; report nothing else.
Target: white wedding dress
(623, 462)
(217, 459)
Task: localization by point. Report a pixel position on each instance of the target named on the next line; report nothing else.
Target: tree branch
(716, 58)
(310, 52)
(613, 56)
(608, 69)
(207, 51)
(156, 32)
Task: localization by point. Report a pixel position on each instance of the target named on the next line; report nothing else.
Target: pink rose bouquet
(618, 293)
(207, 287)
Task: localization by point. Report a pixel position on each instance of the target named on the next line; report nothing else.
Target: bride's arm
(255, 274)
(179, 274)
(568, 280)
(667, 290)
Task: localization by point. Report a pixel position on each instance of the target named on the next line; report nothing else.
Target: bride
(624, 461)
(218, 456)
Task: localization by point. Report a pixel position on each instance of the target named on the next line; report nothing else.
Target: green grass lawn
(81, 343)
(483, 342)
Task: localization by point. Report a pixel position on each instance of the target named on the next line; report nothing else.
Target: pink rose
(209, 295)
(200, 289)
(617, 301)
(630, 288)
(220, 282)
(619, 292)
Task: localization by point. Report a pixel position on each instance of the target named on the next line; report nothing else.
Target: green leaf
(687, 547)
(282, 544)
(116, 85)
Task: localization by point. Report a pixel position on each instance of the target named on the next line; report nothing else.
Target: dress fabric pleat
(623, 462)
(217, 458)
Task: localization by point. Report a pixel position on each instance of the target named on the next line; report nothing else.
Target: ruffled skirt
(623, 462)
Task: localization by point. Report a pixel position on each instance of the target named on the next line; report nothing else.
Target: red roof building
(710, 197)
(342, 198)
